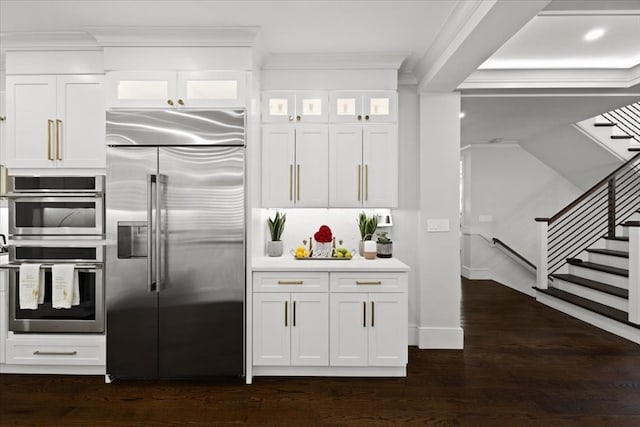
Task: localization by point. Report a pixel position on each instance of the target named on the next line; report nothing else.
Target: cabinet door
(311, 107)
(310, 329)
(349, 331)
(388, 329)
(211, 89)
(278, 107)
(278, 149)
(31, 118)
(271, 333)
(80, 122)
(312, 166)
(380, 166)
(345, 107)
(346, 171)
(380, 107)
(141, 89)
(4, 315)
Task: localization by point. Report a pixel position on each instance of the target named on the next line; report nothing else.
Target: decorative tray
(323, 258)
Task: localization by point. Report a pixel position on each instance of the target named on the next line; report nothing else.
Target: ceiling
(552, 40)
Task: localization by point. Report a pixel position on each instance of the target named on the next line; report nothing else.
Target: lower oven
(85, 317)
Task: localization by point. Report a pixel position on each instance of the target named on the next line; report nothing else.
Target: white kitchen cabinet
(55, 121)
(295, 166)
(4, 315)
(363, 166)
(290, 328)
(56, 349)
(363, 107)
(177, 89)
(368, 320)
(295, 107)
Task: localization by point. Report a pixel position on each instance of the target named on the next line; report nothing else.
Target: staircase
(617, 130)
(589, 257)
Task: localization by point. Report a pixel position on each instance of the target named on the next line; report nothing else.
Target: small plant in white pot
(367, 226)
(384, 245)
(276, 227)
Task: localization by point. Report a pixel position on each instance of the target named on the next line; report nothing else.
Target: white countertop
(357, 263)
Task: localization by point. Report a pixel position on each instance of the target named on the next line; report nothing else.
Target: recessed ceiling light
(461, 115)
(594, 34)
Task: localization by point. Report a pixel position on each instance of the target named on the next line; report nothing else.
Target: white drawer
(56, 350)
(291, 282)
(369, 282)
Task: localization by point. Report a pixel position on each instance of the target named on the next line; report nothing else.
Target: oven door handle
(151, 262)
(44, 195)
(79, 267)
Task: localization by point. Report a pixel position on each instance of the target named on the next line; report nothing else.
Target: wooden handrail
(513, 251)
(588, 192)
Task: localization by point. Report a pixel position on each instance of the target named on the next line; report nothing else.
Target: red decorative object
(323, 235)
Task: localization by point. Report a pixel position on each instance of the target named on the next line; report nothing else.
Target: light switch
(437, 225)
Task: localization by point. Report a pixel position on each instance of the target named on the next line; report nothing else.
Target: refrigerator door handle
(151, 284)
(159, 244)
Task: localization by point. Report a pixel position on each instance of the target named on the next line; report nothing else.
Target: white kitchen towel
(63, 278)
(31, 286)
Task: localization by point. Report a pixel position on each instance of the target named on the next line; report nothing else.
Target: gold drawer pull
(54, 353)
(377, 282)
(290, 282)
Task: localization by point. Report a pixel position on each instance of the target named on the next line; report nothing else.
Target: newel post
(542, 270)
(634, 270)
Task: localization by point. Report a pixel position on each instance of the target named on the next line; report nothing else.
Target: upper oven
(41, 206)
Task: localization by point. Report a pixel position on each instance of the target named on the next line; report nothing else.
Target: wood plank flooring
(524, 364)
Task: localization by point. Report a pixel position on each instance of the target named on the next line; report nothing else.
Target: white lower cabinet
(55, 349)
(329, 323)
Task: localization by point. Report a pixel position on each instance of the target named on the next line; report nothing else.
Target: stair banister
(634, 271)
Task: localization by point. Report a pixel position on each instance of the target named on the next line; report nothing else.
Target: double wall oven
(57, 220)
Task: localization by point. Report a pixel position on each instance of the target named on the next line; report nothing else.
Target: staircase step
(609, 124)
(620, 254)
(592, 284)
(618, 238)
(601, 309)
(598, 267)
(634, 149)
(621, 137)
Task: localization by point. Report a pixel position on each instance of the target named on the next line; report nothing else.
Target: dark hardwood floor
(523, 365)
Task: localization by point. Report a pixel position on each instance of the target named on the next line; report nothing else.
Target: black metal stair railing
(593, 215)
(626, 118)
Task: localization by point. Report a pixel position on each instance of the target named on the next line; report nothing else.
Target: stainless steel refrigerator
(175, 263)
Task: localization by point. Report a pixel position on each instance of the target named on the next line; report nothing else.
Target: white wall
(505, 189)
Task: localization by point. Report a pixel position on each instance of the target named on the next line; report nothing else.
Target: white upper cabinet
(55, 121)
(363, 107)
(182, 89)
(294, 107)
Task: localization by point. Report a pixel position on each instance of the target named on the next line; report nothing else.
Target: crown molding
(552, 78)
(333, 61)
(123, 36)
(407, 79)
(47, 41)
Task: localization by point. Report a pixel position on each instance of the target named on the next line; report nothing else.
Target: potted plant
(367, 226)
(276, 227)
(384, 245)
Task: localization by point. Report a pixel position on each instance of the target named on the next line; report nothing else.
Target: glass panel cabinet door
(141, 89)
(311, 107)
(211, 89)
(380, 107)
(278, 107)
(345, 107)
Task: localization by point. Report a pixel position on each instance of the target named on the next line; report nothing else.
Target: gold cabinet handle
(54, 353)
(49, 126)
(58, 123)
(372, 282)
(180, 102)
(170, 102)
(298, 182)
(290, 118)
(290, 182)
(359, 180)
(286, 314)
(294, 314)
(290, 282)
(373, 314)
(366, 183)
(364, 314)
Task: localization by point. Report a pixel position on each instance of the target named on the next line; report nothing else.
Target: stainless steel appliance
(175, 264)
(56, 206)
(88, 316)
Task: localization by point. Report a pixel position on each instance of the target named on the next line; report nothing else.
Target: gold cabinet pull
(54, 353)
(294, 314)
(371, 282)
(290, 282)
(49, 126)
(290, 118)
(58, 123)
(359, 180)
(298, 182)
(373, 314)
(170, 102)
(364, 314)
(286, 314)
(290, 182)
(180, 102)
(366, 183)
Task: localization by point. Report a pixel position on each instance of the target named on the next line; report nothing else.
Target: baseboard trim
(440, 338)
(476, 273)
(413, 335)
